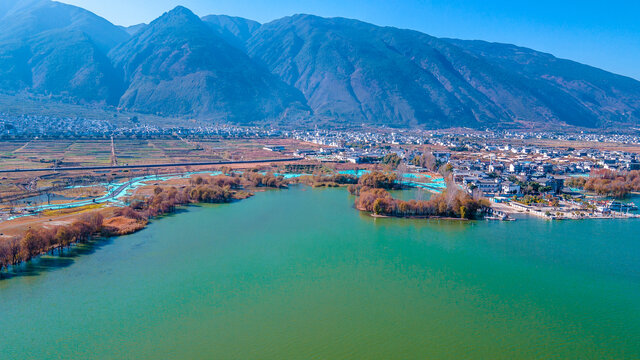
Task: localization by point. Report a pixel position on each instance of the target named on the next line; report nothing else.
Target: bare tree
(402, 170)
(446, 170)
(430, 161)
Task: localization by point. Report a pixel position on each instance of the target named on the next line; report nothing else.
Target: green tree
(393, 160)
(377, 207)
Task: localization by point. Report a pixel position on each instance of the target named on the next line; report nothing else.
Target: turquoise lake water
(300, 274)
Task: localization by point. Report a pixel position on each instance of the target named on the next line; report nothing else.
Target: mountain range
(300, 69)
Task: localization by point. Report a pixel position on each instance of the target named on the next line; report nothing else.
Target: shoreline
(520, 210)
(414, 217)
(114, 220)
(119, 225)
(48, 235)
(421, 217)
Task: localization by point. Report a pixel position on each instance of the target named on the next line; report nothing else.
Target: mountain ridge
(176, 65)
(235, 30)
(488, 89)
(301, 68)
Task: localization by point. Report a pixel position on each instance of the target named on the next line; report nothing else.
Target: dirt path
(22, 147)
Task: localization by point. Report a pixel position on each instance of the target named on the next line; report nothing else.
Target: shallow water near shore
(298, 274)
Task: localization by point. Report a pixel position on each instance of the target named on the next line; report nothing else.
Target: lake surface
(300, 274)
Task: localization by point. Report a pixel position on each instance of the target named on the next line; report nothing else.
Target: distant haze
(605, 34)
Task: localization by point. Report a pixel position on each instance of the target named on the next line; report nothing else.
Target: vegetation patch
(372, 196)
(608, 182)
(73, 210)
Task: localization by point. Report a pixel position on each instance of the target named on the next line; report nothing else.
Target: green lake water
(300, 274)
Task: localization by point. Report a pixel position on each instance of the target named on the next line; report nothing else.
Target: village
(518, 172)
(517, 179)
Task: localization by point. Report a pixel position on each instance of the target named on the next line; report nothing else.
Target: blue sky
(604, 34)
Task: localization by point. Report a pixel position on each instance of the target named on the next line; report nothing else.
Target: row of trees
(530, 187)
(431, 163)
(220, 180)
(379, 180)
(427, 161)
(49, 239)
(267, 180)
(608, 182)
(450, 203)
(235, 180)
(218, 189)
(392, 160)
(539, 199)
(335, 180)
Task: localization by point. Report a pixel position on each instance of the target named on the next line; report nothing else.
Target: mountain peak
(305, 16)
(172, 27)
(180, 10)
(178, 66)
(179, 13)
(24, 19)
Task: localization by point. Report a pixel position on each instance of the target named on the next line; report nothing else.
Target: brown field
(20, 187)
(45, 153)
(17, 188)
(21, 225)
(123, 225)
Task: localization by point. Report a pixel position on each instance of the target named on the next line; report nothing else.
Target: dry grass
(77, 210)
(121, 225)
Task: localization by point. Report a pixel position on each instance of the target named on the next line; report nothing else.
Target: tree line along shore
(372, 196)
(131, 218)
(371, 191)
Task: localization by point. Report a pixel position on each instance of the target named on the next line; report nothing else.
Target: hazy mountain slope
(60, 62)
(52, 48)
(335, 70)
(133, 29)
(352, 70)
(579, 92)
(234, 30)
(26, 18)
(177, 65)
(349, 70)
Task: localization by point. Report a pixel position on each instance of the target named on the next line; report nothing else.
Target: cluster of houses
(503, 184)
(342, 154)
(53, 127)
(348, 138)
(496, 169)
(30, 126)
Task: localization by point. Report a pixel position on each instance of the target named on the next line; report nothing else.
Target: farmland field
(45, 153)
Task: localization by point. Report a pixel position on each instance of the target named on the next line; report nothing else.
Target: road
(122, 167)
